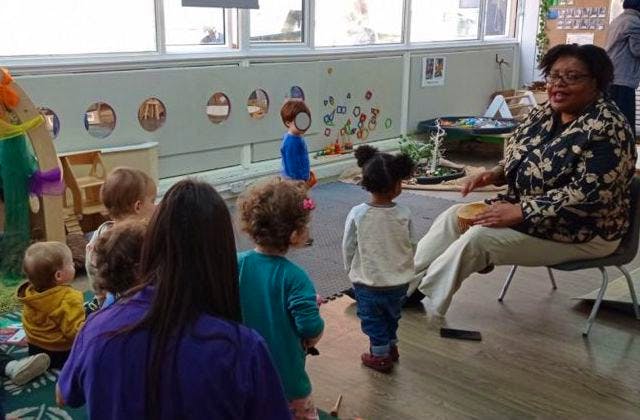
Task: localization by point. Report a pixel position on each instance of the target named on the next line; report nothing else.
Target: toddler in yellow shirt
(52, 311)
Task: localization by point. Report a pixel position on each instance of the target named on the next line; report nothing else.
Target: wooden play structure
(50, 214)
(84, 174)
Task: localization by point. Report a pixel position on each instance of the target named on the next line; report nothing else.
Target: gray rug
(323, 260)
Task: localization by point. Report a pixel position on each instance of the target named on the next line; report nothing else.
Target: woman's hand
(481, 180)
(500, 215)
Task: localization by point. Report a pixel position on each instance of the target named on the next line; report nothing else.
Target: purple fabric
(47, 182)
(218, 370)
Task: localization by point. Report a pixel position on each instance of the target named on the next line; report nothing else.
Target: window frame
(238, 46)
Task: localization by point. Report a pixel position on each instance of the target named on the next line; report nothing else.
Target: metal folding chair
(625, 253)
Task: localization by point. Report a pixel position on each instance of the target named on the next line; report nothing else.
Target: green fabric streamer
(17, 164)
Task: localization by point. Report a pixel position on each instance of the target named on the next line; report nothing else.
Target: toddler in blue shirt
(295, 156)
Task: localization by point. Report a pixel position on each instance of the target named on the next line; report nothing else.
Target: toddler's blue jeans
(379, 310)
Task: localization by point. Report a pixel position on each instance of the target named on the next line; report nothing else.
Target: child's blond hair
(42, 260)
(270, 211)
(123, 188)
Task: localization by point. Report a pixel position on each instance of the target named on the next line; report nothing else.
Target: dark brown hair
(189, 256)
(270, 211)
(117, 253)
(382, 171)
(291, 108)
(123, 188)
(42, 260)
(594, 58)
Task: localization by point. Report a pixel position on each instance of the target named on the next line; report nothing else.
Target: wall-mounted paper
(580, 38)
(239, 4)
(433, 71)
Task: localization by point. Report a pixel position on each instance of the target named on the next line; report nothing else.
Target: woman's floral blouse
(572, 184)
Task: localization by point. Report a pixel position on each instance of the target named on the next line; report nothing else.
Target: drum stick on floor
(336, 407)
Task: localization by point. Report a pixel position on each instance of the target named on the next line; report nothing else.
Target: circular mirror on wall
(51, 121)
(152, 114)
(296, 92)
(258, 104)
(100, 120)
(218, 108)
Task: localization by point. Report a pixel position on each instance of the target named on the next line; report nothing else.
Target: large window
(36, 27)
(278, 21)
(186, 26)
(358, 22)
(444, 20)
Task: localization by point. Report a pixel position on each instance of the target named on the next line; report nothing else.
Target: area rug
(617, 294)
(323, 260)
(36, 399)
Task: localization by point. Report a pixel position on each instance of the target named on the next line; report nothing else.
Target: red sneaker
(381, 364)
(393, 354)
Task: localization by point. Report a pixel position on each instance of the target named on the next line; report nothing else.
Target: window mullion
(481, 19)
(310, 23)
(244, 30)
(406, 24)
(161, 40)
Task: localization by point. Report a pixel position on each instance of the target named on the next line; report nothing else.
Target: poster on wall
(433, 71)
(580, 38)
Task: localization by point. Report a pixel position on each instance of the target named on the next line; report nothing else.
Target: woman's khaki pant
(444, 257)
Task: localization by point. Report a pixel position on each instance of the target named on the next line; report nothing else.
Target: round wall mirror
(152, 114)
(52, 122)
(218, 108)
(100, 120)
(258, 104)
(296, 92)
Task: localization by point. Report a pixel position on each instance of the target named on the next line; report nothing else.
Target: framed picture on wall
(602, 12)
(600, 26)
(569, 2)
(433, 71)
(593, 23)
(576, 24)
(577, 12)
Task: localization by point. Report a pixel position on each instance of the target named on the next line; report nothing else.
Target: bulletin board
(578, 17)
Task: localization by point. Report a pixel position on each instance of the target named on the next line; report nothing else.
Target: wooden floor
(532, 362)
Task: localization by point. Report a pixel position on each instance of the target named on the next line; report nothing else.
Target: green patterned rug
(36, 400)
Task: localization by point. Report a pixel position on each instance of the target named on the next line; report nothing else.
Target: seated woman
(174, 349)
(567, 168)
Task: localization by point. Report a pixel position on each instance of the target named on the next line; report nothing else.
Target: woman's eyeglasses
(567, 79)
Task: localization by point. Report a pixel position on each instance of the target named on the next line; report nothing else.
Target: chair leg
(553, 279)
(596, 304)
(632, 291)
(507, 283)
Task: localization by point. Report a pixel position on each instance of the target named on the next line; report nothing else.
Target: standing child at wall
(277, 296)
(53, 310)
(117, 256)
(128, 194)
(295, 156)
(378, 253)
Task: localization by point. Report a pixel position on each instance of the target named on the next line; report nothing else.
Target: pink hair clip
(308, 204)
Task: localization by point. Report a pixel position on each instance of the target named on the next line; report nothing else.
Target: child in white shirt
(378, 253)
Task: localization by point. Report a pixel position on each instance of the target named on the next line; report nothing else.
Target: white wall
(189, 143)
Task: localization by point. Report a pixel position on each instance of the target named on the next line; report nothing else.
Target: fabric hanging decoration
(8, 96)
(8, 130)
(17, 164)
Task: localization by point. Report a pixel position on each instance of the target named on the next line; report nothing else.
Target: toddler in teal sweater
(277, 297)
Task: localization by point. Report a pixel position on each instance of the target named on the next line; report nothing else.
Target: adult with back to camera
(174, 349)
(568, 169)
(623, 46)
